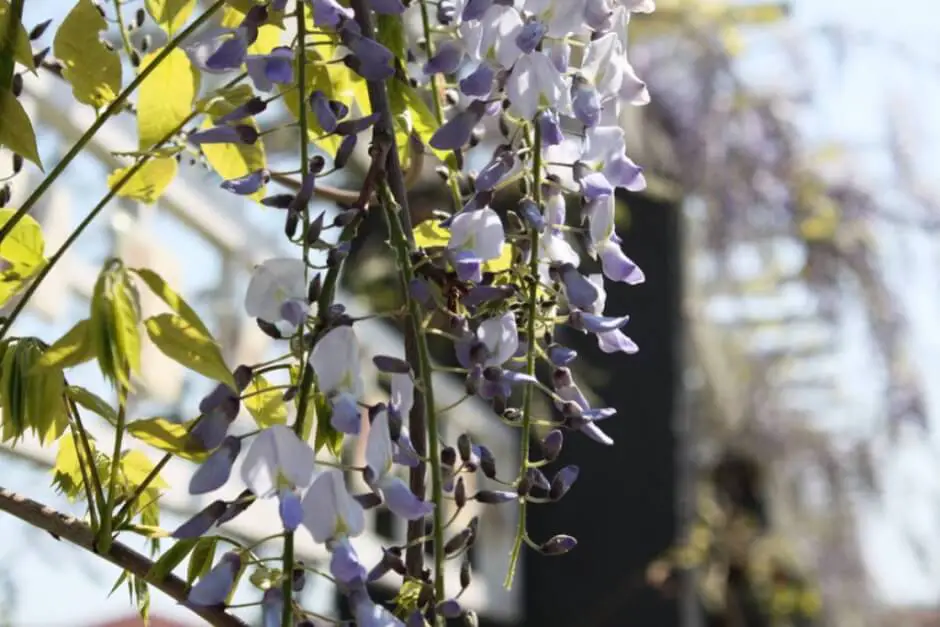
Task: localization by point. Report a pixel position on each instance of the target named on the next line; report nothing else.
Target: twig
(80, 534)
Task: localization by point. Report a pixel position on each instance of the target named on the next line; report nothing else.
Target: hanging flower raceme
(336, 362)
(379, 459)
(277, 294)
(475, 238)
(278, 463)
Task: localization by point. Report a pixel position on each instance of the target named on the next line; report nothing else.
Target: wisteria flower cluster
(547, 81)
(555, 75)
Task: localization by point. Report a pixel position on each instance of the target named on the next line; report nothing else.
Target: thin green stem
(436, 100)
(128, 48)
(86, 449)
(531, 313)
(107, 515)
(287, 588)
(86, 482)
(116, 106)
(403, 250)
(84, 224)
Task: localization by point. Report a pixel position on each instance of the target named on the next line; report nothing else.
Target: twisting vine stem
(287, 588)
(116, 106)
(531, 314)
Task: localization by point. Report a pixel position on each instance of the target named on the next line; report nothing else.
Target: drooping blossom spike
(201, 522)
(345, 565)
(330, 510)
(225, 134)
(251, 107)
(455, 133)
(274, 68)
(379, 457)
(336, 362)
(272, 607)
(534, 80)
(446, 58)
(558, 545)
(329, 12)
(214, 588)
(273, 283)
(213, 473)
(562, 482)
(475, 237)
(248, 184)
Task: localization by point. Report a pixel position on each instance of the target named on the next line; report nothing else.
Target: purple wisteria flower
(274, 68)
(475, 238)
(379, 458)
(279, 463)
(336, 362)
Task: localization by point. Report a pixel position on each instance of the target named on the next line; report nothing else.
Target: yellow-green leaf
(187, 345)
(234, 160)
(92, 402)
(170, 559)
(73, 348)
(168, 436)
(14, 38)
(148, 183)
(166, 96)
(423, 122)
(148, 531)
(430, 234)
(93, 70)
(126, 316)
(170, 15)
(269, 34)
(136, 466)
(173, 300)
(326, 433)
(67, 470)
(265, 405)
(16, 132)
(24, 245)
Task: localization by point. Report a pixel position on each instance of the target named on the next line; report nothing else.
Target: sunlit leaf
(126, 316)
(92, 402)
(67, 470)
(142, 592)
(165, 98)
(187, 345)
(170, 15)
(170, 559)
(234, 160)
(136, 466)
(24, 245)
(115, 316)
(173, 300)
(148, 183)
(168, 436)
(93, 70)
(16, 132)
(265, 405)
(72, 349)
(326, 434)
(32, 398)
(423, 122)
(14, 39)
(201, 559)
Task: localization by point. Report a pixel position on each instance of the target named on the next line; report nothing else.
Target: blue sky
(851, 106)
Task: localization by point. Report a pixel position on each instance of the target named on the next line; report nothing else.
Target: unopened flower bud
(464, 447)
(558, 545)
(460, 493)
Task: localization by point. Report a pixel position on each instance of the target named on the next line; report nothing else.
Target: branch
(66, 527)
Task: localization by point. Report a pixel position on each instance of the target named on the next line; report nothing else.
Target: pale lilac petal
(346, 417)
(272, 607)
(329, 12)
(597, 324)
(345, 565)
(336, 362)
(290, 509)
(619, 267)
(446, 58)
(500, 336)
(277, 452)
(480, 232)
(579, 291)
(330, 510)
(379, 447)
(594, 432)
(550, 128)
(402, 502)
(478, 83)
(616, 342)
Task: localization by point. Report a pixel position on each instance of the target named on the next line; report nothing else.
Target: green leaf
(148, 183)
(16, 132)
(72, 349)
(168, 436)
(67, 470)
(165, 97)
(115, 315)
(326, 434)
(233, 160)
(171, 558)
(93, 70)
(14, 40)
(126, 316)
(187, 345)
(32, 398)
(135, 466)
(201, 560)
(173, 300)
(13, 394)
(23, 247)
(266, 405)
(170, 15)
(423, 123)
(142, 592)
(92, 402)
